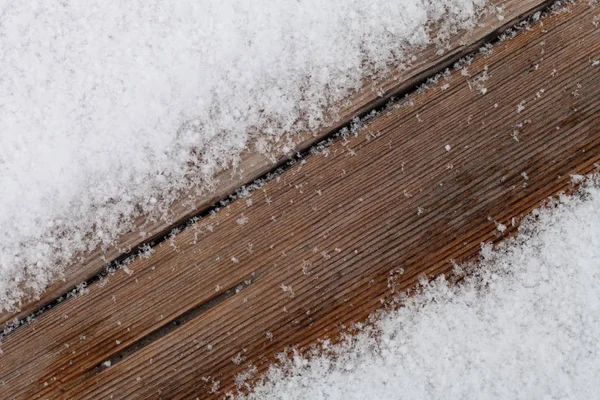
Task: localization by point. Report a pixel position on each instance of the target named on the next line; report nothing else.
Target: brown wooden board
(322, 241)
(254, 165)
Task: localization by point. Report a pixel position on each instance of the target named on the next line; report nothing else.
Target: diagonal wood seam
(398, 89)
(177, 322)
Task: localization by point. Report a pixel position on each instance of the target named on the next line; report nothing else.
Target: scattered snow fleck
(287, 289)
(524, 324)
(238, 359)
(539, 93)
(479, 82)
(242, 220)
(106, 364)
(306, 265)
(501, 227)
(521, 106)
(234, 260)
(448, 147)
(215, 386)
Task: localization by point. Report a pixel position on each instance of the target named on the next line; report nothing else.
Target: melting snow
(525, 325)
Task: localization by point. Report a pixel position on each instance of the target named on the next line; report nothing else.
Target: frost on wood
(524, 325)
(109, 109)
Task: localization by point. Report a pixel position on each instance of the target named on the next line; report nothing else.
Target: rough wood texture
(254, 165)
(332, 231)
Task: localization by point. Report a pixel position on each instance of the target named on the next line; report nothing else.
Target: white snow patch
(108, 108)
(524, 325)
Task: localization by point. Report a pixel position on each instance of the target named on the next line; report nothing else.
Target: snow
(524, 325)
(109, 109)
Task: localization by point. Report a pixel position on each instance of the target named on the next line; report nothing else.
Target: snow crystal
(524, 325)
(238, 359)
(287, 289)
(109, 108)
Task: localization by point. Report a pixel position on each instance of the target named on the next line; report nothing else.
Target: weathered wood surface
(321, 242)
(254, 165)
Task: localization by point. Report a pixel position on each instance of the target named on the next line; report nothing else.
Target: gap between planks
(358, 204)
(374, 95)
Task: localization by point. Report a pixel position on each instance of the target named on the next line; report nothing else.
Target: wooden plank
(350, 219)
(254, 165)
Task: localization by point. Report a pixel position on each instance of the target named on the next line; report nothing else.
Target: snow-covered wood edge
(254, 165)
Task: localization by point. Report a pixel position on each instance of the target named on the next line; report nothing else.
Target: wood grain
(254, 165)
(321, 241)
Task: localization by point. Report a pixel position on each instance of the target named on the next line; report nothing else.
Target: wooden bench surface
(254, 165)
(336, 235)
